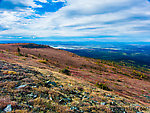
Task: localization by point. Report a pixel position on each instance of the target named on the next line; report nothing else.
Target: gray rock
(103, 103)
(30, 95)
(74, 108)
(113, 103)
(50, 83)
(8, 108)
(62, 101)
(35, 96)
(21, 86)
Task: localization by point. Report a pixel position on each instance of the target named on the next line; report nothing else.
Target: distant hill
(137, 56)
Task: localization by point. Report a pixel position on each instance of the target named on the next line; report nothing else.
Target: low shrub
(66, 71)
(119, 81)
(43, 61)
(19, 54)
(103, 86)
(26, 55)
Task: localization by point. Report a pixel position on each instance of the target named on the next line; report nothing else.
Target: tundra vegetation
(66, 83)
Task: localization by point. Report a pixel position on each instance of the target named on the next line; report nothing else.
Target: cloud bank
(75, 18)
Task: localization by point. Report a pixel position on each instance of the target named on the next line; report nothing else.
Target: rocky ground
(24, 90)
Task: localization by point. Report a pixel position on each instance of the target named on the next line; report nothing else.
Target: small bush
(26, 55)
(66, 71)
(43, 61)
(18, 50)
(91, 71)
(12, 72)
(103, 86)
(19, 54)
(39, 55)
(119, 81)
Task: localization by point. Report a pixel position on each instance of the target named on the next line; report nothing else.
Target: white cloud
(25, 2)
(44, 1)
(81, 18)
(58, 0)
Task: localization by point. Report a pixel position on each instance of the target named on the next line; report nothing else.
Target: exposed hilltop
(37, 78)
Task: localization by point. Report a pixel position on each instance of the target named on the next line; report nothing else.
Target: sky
(75, 20)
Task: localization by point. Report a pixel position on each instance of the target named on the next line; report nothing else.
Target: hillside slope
(40, 78)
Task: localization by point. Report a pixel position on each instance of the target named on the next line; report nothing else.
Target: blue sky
(75, 20)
